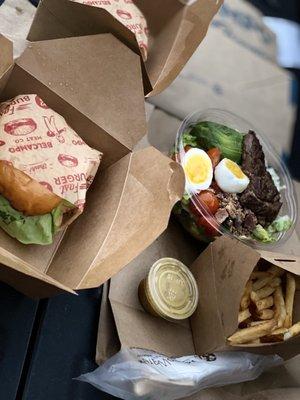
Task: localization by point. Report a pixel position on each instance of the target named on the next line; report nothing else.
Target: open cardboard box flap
(6, 59)
(176, 30)
(129, 203)
(214, 319)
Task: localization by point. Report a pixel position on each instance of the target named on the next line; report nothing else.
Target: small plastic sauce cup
(211, 228)
(169, 291)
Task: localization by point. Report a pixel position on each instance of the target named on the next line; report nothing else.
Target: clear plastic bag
(136, 374)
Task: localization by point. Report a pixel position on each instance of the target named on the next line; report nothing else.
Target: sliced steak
(261, 196)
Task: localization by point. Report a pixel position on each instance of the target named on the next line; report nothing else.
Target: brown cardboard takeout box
(130, 201)
(221, 272)
(175, 29)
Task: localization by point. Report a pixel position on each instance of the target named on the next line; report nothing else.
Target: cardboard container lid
(103, 85)
(175, 31)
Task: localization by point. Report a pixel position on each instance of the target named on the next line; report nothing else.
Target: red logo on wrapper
(47, 185)
(124, 14)
(67, 160)
(40, 103)
(80, 204)
(20, 127)
(53, 130)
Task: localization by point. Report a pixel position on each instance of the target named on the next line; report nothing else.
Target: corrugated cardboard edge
(6, 59)
(193, 28)
(160, 184)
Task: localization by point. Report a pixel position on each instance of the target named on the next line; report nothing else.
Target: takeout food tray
(175, 31)
(132, 195)
(221, 272)
(88, 68)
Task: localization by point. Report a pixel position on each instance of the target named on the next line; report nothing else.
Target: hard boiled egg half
(229, 177)
(198, 170)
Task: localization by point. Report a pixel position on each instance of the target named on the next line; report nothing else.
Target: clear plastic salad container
(214, 146)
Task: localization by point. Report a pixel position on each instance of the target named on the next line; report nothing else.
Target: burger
(43, 181)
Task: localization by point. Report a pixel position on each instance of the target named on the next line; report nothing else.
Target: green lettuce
(270, 234)
(261, 234)
(189, 140)
(281, 224)
(211, 134)
(39, 229)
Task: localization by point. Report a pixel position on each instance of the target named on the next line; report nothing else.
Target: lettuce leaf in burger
(29, 212)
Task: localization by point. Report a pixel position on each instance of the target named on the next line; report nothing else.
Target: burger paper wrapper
(128, 14)
(39, 142)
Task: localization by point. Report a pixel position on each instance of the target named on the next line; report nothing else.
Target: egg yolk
(197, 169)
(235, 169)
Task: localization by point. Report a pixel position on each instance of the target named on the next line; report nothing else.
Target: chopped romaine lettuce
(269, 235)
(185, 199)
(188, 139)
(281, 224)
(261, 234)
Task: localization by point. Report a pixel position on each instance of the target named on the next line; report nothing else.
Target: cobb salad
(229, 185)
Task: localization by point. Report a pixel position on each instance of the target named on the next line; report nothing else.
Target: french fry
(292, 331)
(254, 332)
(280, 311)
(243, 315)
(264, 303)
(259, 275)
(276, 335)
(276, 281)
(289, 299)
(260, 283)
(246, 296)
(275, 271)
(265, 314)
(266, 291)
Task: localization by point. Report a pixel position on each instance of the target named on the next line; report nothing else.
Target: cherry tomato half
(215, 156)
(205, 197)
(209, 229)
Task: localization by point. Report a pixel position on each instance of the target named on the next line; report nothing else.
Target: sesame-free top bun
(24, 193)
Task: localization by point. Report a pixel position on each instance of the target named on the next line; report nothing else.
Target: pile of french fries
(266, 308)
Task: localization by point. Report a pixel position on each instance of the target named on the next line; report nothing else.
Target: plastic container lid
(171, 290)
(288, 198)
